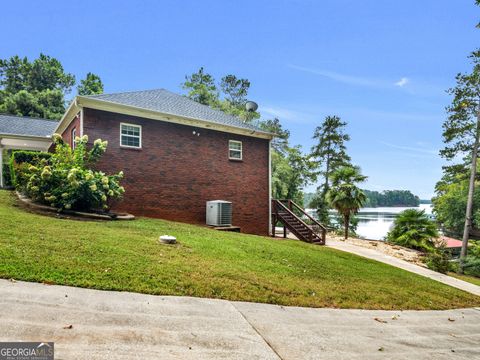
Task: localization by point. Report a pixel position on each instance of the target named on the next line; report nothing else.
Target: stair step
(295, 223)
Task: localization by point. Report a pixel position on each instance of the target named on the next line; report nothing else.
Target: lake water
(374, 223)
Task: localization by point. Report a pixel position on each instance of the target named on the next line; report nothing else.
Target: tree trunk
(346, 223)
(471, 189)
(327, 174)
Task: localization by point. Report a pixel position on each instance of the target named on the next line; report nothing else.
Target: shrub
(7, 179)
(439, 260)
(66, 179)
(20, 159)
(413, 229)
(471, 266)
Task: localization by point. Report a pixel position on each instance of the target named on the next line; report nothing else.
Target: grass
(126, 256)
(468, 278)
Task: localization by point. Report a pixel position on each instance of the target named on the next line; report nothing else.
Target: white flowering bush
(67, 179)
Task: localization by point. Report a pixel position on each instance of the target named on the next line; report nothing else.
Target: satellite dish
(251, 106)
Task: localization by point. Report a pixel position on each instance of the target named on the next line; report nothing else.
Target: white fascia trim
(26, 137)
(68, 117)
(83, 102)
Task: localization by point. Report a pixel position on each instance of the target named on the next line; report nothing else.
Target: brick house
(176, 155)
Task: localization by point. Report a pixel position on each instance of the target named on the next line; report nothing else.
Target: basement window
(130, 136)
(235, 150)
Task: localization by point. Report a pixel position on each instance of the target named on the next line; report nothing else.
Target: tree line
(384, 198)
(39, 88)
(391, 198)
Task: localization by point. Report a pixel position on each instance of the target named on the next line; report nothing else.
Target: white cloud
(402, 82)
(343, 78)
(287, 114)
(428, 151)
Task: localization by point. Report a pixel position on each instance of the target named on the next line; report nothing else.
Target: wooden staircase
(290, 215)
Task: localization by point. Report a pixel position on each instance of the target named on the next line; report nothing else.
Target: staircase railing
(315, 232)
(318, 225)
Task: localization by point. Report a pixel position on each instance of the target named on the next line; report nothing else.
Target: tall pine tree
(461, 133)
(329, 153)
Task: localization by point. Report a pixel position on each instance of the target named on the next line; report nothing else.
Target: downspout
(81, 119)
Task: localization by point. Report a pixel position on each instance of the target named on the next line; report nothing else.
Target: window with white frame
(130, 135)
(73, 136)
(235, 150)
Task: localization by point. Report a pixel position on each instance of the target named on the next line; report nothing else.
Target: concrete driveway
(116, 325)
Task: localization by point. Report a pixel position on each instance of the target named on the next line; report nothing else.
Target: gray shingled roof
(166, 102)
(26, 126)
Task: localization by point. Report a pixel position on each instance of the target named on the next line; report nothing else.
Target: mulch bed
(28, 204)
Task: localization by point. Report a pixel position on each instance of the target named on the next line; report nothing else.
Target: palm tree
(413, 229)
(344, 195)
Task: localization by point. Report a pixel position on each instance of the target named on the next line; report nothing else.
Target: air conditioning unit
(219, 213)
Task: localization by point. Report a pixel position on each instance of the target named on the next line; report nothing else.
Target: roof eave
(67, 118)
(28, 137)
(82, 101)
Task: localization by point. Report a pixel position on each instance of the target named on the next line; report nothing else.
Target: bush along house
(176, 155)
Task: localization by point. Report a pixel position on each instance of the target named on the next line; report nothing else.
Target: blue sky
(382, 65)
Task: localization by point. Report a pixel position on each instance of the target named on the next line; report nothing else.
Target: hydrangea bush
(67, 180)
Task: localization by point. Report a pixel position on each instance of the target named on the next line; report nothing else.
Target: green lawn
(206, 263)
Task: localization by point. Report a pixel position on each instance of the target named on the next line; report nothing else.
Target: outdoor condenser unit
(219, 213)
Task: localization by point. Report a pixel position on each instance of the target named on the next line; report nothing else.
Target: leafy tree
(413, 229)
(201, 88)
(280, 142)
(290, 174)
(47, 104)
(46, 73)
(235, 89)
(450, 203)
(14, 73)
(35, 88)
(344, 195)
(461, 133)
(329, 153)
(231, 100)
(91, 85)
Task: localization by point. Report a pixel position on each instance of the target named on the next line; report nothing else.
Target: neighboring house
(452, 245)
(176, 155)
(23, 133)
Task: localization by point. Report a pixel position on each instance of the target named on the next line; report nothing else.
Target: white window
(73, 136)
(235, 150)
(130, 135)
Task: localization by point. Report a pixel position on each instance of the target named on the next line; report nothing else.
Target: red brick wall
(176, 172)
(67, 133)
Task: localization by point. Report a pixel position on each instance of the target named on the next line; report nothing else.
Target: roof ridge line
(28, 117)
(125, 92)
